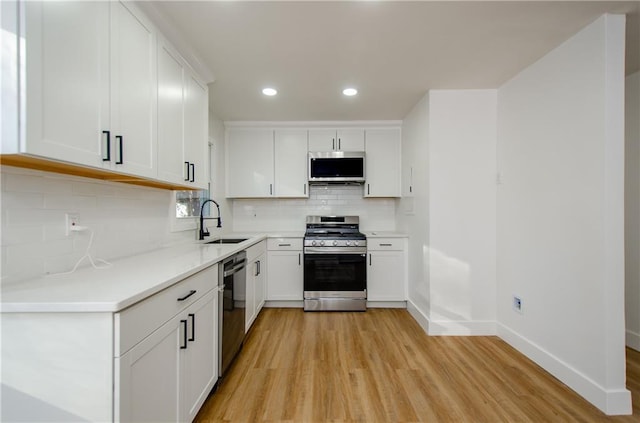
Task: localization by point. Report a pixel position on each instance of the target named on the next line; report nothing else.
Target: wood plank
(380, 366)
(48, 165)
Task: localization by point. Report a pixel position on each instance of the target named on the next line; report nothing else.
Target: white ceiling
(392, 52)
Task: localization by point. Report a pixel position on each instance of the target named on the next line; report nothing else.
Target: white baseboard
(418, 316)
(611, 402)
(633, 340)
(386, 304)
(284, 304)
(451, 328)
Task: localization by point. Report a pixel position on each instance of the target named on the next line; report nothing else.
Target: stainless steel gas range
(335, 270)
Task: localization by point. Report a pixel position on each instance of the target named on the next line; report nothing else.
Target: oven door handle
(320, 251)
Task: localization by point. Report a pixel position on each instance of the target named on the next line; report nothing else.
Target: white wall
(632, 210)
(126, 220)
(448, 154)
(462, 211)
(560, 213)
(413, 211)
(287, 215)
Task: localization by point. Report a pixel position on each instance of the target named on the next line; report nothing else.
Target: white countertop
(126, 282)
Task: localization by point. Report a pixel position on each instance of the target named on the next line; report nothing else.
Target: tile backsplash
(125, 219)
(128, 219)
(290, 214)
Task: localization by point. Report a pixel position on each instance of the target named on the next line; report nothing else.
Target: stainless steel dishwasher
(232, 283)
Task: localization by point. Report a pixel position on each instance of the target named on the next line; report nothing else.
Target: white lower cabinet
(285, 273)
(386, 269)
(256, 271)
(168, 375)
(155, 361)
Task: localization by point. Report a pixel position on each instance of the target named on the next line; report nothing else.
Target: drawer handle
(386, 245)
(193, 291)
(284, 245)
(193, 327)
(184, 338)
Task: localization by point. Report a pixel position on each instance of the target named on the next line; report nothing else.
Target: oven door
(335, 272)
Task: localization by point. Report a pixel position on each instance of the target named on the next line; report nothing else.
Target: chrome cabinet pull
(186, 164)
(193, 172)
(385, 245)
(284, 245)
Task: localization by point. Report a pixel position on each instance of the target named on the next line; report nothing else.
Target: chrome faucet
(203, 231)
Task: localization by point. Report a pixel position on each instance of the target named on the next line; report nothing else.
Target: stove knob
(335, 243)
(313, 243)
(322, 243)
(348, 243)
(355, 243)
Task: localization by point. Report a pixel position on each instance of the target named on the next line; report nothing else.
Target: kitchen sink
(228, 241)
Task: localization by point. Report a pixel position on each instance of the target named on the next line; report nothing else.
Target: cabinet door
(67, 90)
(291, 156)
(382, 163)
(148, 377)
(284, 275)
(200, 358)
(196, 139)
(171, 166)
(133, 91)
(350, 139)
(385, 276)
(249, 162)
(322, 140)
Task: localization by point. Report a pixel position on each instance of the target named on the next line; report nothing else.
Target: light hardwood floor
(380, 366)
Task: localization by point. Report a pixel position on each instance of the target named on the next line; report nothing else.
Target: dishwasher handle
(240, 266)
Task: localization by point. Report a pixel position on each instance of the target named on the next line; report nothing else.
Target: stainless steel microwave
(336, 166)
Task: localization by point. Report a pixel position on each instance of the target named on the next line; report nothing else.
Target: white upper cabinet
(266, 163)
(91, 85)
(290, 159)
(89, 88)
(133, 91)
(346, 139)
(182, 121)
(196, 138)
(67, 80)
(171, 166)
(249, 165)
(382, 160)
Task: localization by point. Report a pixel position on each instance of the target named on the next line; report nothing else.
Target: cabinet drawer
(255, 250)
(284, 244)
(382, 244)
(138, 321)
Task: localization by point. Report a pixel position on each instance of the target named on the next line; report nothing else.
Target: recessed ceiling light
(269, 91)
(350, 91)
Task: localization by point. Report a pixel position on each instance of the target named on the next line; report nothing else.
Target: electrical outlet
(517, 304)
(71, 219)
